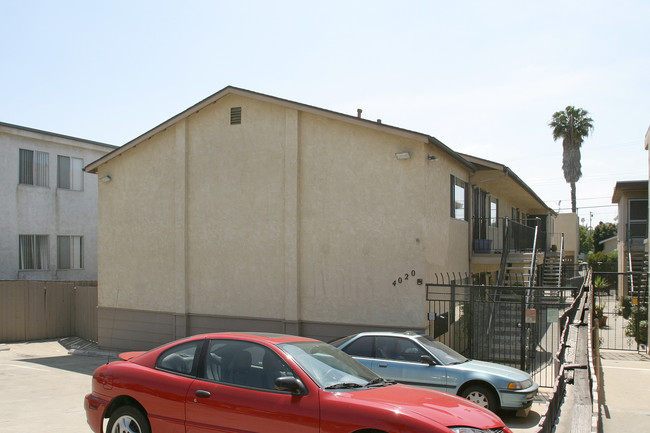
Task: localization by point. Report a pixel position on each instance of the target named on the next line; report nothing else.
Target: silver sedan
(416, 359)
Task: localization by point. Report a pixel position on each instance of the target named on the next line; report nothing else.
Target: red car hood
(446, 409)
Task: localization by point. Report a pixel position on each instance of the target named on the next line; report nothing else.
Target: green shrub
(641, 334)
(625, 309)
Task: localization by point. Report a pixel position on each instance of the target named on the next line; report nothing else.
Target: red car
(232, 382)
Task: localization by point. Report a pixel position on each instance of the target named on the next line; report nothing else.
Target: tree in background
(572, 125)
(601, 232)
(586, 241)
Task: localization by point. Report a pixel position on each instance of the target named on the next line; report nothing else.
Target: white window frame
(459, 207)
(493, 204)
(70, 175)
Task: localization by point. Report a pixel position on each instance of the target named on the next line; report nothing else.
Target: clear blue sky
(484, 77)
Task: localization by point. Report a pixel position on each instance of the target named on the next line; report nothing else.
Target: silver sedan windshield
(329, 367)
(444, 354)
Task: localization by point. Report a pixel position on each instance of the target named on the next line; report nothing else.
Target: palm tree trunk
(574, 208)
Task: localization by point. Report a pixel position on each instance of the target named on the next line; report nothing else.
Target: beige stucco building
(250, 212)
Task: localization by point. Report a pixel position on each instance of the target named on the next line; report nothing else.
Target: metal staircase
(637, 264)
(552, 270)
(517, 270)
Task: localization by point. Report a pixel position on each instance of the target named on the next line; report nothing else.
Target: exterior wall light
(105, 179)
(432, 157)
(403, 155)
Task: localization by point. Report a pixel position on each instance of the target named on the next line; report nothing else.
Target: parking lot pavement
(530, 423)
(43, 387)
(44, 384)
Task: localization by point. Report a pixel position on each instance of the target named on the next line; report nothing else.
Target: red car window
(180, 359)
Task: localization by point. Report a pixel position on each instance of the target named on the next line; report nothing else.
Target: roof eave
(627, 185)
(508, 172)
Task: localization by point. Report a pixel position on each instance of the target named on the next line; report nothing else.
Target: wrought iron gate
(516, 326)
(622, 312)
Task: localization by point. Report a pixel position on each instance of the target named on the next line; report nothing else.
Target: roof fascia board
(457, 156)
(92, 167)
(330, 114)
(626, 186)
(32, 132)
(483, 162)
(500, 167)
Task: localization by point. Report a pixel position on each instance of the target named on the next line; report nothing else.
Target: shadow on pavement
(77, 364)
(83, 357)
(531, 421)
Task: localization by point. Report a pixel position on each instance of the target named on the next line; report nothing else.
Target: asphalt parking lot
(43, 387)
(44, 384)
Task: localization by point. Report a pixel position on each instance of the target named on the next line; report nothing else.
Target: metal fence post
(452, 310)
(522, 356)
(470, 325)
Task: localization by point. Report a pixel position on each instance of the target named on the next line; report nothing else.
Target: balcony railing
(489, 236)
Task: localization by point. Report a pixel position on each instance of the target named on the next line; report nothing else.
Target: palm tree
(573, 125)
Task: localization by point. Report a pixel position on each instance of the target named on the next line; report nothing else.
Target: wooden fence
(37, 310)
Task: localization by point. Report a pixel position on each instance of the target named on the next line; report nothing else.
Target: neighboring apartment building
(632, 230)
(48, 217)
(647, 145)
(250, 212)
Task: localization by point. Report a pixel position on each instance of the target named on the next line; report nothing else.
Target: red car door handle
(202, 394)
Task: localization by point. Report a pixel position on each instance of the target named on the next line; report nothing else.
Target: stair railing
(629, 258)
(533, 266)
(504, 254)
(559, 272)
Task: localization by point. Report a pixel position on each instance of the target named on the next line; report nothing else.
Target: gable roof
(484, 164)
(230, 90)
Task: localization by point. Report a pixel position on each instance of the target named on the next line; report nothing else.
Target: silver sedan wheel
(479, 398)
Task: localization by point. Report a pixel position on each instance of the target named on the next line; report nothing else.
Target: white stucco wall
(51, 211)
(290, 216)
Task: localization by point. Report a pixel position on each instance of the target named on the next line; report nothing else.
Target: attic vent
(235, 116)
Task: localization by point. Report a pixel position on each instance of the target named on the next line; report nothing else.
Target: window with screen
(33, 167)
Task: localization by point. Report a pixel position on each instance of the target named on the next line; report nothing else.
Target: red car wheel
(128, 419)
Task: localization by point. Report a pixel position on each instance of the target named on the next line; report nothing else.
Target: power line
(589, 207)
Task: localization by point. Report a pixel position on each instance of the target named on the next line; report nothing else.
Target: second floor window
(70, 173)
(494, 211)
(33, 251)
(459, 201)
(69, 252)
(33, 167)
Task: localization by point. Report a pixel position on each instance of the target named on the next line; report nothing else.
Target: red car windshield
(329, 367)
